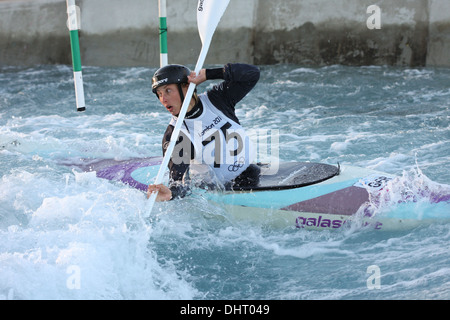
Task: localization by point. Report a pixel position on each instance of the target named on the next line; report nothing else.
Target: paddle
(209, 13)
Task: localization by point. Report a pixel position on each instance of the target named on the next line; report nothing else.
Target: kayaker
(211, 136)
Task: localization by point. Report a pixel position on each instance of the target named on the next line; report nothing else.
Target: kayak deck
(290, 175)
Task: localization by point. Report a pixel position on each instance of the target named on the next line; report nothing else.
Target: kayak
(304, 195)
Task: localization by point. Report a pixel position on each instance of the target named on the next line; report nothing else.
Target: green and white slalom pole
(163, 33)
(73, 24)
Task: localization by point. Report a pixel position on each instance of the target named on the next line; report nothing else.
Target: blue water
(69, 235)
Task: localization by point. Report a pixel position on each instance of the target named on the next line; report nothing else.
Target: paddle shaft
(179, 123)
(207, 24)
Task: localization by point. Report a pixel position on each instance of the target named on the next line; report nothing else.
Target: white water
(70, 235)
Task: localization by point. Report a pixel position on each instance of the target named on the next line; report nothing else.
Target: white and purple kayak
(305, 195)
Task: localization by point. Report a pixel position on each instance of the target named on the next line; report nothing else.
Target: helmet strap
(180, 90)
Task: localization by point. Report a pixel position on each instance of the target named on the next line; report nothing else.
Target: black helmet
(170, 74)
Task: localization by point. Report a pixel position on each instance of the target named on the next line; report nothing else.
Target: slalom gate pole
(73, 24)
(163, 33)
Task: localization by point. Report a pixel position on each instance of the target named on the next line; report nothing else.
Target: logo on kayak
(373, 181)
(321, 222)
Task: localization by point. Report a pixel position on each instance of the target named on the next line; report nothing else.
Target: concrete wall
(306, 32)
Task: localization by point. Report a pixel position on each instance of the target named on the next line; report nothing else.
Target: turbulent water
(69, 235)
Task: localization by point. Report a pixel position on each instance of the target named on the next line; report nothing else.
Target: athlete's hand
(197, 79)
(164, 193)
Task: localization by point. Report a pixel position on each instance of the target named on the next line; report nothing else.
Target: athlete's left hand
(197, 79)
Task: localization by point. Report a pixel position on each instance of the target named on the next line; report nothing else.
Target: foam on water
(84, 224)
(69, 235)
(413, 196)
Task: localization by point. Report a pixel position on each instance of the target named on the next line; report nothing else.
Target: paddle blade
(209, 13)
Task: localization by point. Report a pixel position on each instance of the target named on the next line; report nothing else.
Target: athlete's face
(170, 98)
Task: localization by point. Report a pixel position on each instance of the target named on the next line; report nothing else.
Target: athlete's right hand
(164, 193)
